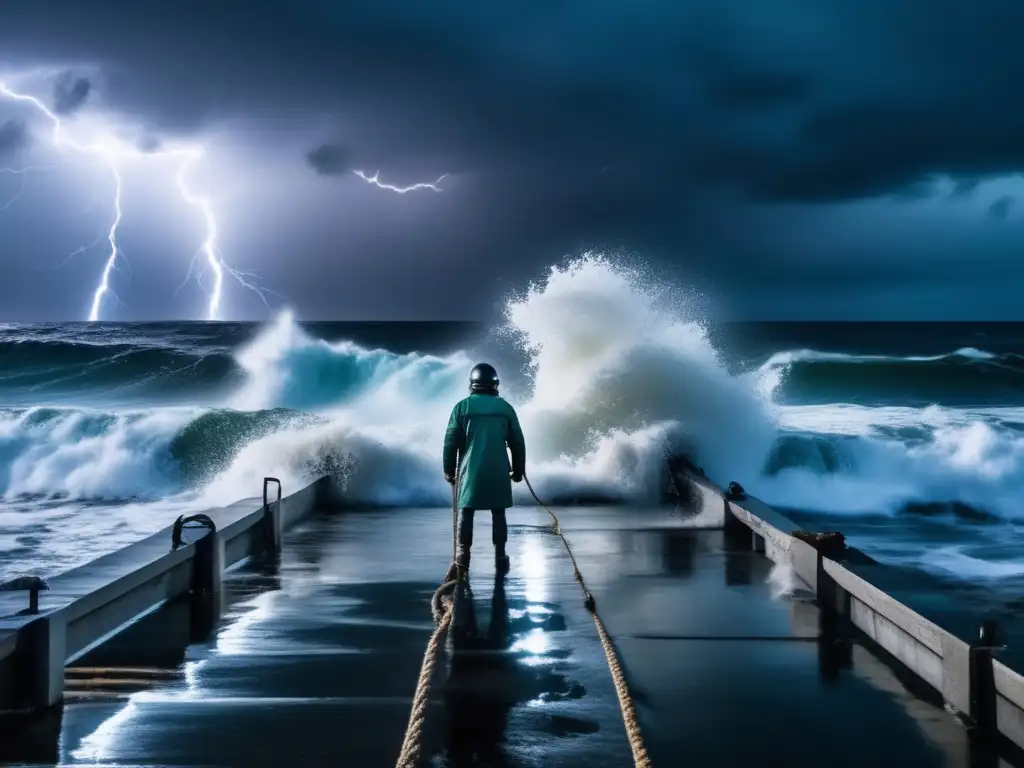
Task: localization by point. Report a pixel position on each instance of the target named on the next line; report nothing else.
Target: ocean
(908, 437)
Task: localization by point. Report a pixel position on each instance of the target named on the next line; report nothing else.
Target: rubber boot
(501, 561)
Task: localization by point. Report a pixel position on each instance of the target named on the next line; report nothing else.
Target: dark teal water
(908, 364)
(908, 436)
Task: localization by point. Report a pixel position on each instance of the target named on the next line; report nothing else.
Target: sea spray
(959, 457)
(618, 370)
(89, 455)
(615, 378)
(617, 374)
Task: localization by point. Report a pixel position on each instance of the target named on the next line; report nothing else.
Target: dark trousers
(499, 530)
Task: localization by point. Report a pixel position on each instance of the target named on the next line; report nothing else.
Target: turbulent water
(911, 435)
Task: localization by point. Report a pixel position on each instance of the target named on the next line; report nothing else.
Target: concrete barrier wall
(935, 655)
(87, 604)
(772, 530)
(944, 661)
(1009, 697)
(99, 613)
(704, 502)
(768, 530)
(296, 506)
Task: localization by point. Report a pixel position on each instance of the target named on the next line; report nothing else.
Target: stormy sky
(789, 159)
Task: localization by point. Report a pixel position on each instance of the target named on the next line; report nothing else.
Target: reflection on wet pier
(315, 657)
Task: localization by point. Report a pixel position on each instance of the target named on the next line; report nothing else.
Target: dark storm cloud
(964, 188)
(329, 160)
(756, 91)
(13, 136)
(70, 93)
(573, 123)
(831, 101)
(1000, 209)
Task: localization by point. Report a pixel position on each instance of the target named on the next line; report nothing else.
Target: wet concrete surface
(315, 660)
(98, 574)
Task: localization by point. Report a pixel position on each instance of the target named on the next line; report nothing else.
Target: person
(480, 427)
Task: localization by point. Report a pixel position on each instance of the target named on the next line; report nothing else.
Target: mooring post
(982, 685)
(31, 584)
(208, 564)
(207, 583)
(736, 532)
(208, 554)
(735, 529)
(272, 524)
(207, 572)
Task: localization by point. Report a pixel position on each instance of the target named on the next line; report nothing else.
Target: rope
(629, 717)
(441, 610)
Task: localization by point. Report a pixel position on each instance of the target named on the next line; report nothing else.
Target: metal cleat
(31, 584)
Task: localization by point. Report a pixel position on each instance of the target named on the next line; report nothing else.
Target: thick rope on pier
(441, 608)
(413, 742)
(641, 759)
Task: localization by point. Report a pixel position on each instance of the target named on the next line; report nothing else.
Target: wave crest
(52, 367)
(617, 375)
(964, 377)
(93, 455)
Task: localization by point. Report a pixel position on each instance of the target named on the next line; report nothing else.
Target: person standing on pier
(479, 429)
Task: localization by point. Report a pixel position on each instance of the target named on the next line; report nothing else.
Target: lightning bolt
(209, 248)
(110, 152)
(60, 141)
(375, 180)
(104, 287)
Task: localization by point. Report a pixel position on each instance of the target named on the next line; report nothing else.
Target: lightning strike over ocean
(375, 180)
(106, 154)
(110, 151)
(209, 248)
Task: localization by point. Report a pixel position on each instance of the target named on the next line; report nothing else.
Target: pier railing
(951, 652)
(955, 655)
(86, 605)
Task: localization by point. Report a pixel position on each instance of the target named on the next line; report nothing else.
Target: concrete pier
(86, 605)
(315, 657)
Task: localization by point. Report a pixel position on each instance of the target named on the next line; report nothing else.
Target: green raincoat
(479, 429)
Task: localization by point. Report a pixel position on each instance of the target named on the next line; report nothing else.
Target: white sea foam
(617, 374)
